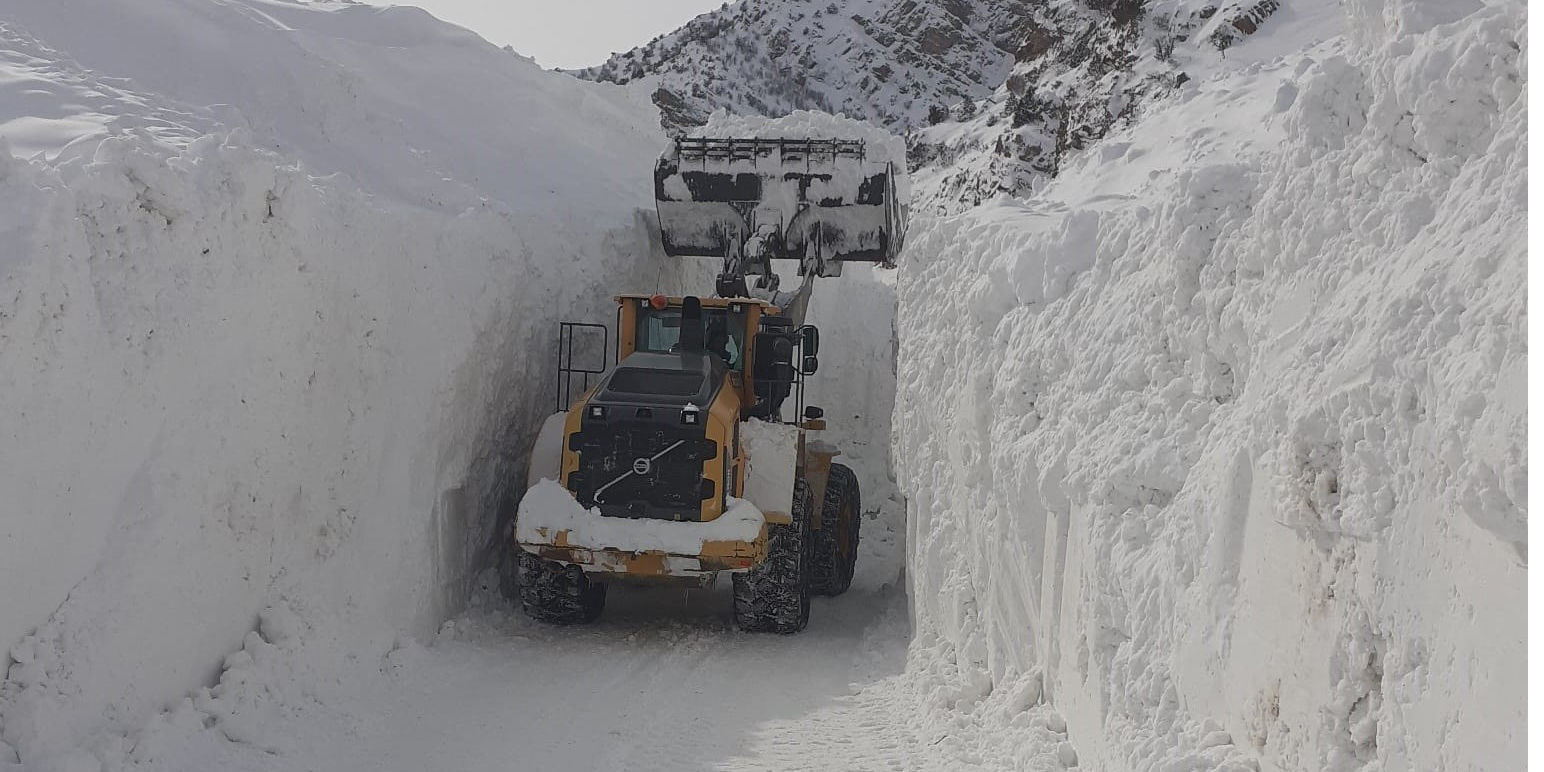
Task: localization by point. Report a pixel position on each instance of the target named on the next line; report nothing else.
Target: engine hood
(675, 380)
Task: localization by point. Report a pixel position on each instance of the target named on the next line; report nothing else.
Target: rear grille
(642, 469)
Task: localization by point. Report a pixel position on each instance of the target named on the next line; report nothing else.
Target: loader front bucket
(785, 198)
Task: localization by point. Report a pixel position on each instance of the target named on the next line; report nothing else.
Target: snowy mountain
(890, 62)
(1083, 70)
(993, 94)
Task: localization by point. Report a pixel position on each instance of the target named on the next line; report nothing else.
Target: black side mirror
(774, 358)
(809, 365)
(809, 342)
(812, 413)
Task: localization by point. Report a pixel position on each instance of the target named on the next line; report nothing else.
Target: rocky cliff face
(886, 61)
(992, 94)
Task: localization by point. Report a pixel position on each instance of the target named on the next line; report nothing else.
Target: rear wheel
(558, 594)
(836, 543)
(774, 596)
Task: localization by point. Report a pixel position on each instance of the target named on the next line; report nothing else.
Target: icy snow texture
(230, 380)
(1223, 433)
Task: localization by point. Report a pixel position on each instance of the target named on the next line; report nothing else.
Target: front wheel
(774, 596)
(836, 543)
(558, 594)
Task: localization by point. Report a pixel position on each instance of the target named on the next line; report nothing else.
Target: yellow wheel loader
(693, 454)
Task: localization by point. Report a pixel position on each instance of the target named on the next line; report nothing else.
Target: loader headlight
(691, 416)
(598, 412)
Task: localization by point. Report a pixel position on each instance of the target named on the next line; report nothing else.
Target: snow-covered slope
(277, 305)
(890, 62)
(1085, 68)
(1218, 441)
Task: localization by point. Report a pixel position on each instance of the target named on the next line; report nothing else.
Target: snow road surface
(662, 682)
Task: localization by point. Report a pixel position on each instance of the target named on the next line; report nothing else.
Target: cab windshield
(723, 333)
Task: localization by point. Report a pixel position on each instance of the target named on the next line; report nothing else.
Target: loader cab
(764, 355)
(652, 324)
(725, 331)
(752, 337)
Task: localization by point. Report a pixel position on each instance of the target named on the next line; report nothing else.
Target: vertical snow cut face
(1221, 437)
(276, 329)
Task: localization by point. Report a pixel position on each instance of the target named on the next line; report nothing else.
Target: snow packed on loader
(677, 464)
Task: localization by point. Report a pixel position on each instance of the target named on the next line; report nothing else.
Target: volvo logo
(642, 466)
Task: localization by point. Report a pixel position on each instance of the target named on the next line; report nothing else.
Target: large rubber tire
(558, 594)
(774, 595)
(836, 543)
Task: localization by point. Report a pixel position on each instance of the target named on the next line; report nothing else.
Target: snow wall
(279, 287)
(1220, 440)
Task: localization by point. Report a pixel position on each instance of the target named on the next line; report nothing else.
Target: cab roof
(675, 300)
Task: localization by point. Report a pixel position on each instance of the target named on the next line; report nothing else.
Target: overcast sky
(566, 33)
